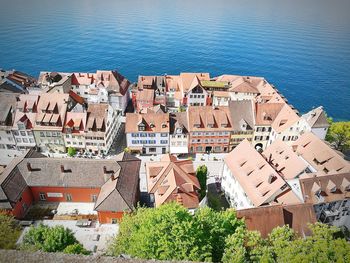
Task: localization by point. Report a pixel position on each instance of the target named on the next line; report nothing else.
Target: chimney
(62, 169)
(105, 170)
(29, 167)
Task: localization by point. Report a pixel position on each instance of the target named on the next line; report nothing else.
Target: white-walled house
(240, 87)
(102, 87)
(179, 133)
(102, 125)
(330, 197)
(248, 180)
(24, 122)
(7, 110)
(74, 130)
(148, 133)
(317, 120)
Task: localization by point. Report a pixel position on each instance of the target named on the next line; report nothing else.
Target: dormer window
(164, 125)
(178, 130)
(151, 125)
(142, 127)
(21, 126)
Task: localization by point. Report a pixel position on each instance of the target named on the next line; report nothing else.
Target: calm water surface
(302, 46)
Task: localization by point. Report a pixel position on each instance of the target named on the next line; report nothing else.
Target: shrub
(76, 249)
(71, 151)
(50, 239)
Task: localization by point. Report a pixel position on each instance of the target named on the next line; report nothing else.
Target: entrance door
(208, 149)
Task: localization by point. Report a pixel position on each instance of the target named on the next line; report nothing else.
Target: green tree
(169, 232)
(76, 249)
(282, 245)
(48, 239)
(201, 173)
(215, 228)
(71, 151)
(339, 135)
(9, 232)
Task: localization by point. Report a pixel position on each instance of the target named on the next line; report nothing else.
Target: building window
(93, 198)
(163, 141)
(15, 133)
(152, 150)
(68, 197)
(42, 196)
(164, 135)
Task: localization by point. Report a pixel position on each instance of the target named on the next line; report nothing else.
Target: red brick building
(112, 185)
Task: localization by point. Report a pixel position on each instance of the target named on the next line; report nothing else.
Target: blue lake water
(301, 46)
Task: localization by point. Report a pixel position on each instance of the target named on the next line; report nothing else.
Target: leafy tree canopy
(282, 245)
(9, 232)
(339, 135)
(171, 233)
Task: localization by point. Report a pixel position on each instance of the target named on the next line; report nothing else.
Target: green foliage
(339, 135)
(282, 245)
(127, 150)
(9, 232)
(71, 151)
(49, 239)
(76, 249)
(171, 233)
(202, 178)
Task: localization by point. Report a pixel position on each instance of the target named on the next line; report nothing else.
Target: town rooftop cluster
(275, 159)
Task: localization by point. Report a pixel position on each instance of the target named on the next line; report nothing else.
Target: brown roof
(7, 106)
(36, 171)
(178, 120)
(97, 116)
(207, 118)
(326, 188)
(243, 85)
(242, 113)
(48, 106)
(76, 120)
(284, 119)
(154, 122)
(317, 118)
(173, 180)
(154, 109)
(258, 179)
(113, 81)
(145, 95)
(120, 191)
(265, 219)
(284, 159)
(266, 113)
(191, 80)
(319, 155)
